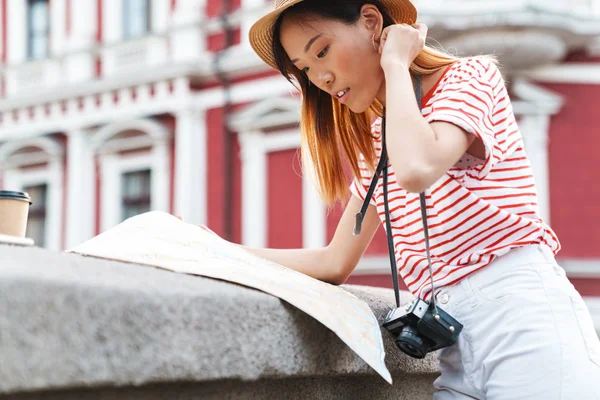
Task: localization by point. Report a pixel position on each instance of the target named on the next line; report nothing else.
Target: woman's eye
(305, 70)
(323, 52)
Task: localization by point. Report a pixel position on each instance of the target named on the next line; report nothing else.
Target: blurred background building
(110, 108)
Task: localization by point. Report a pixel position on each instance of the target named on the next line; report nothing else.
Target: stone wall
(73, 327)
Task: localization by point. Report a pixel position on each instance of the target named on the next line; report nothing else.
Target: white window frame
(255, 146)
(42, 176)
(17, 178)
(113, 165)
(125, 18)
(255, 149)
(113, 168)
(28, 28)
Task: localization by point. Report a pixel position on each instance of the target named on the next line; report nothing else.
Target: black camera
(421, 327)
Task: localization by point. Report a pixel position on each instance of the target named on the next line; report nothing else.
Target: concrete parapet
(74, 327)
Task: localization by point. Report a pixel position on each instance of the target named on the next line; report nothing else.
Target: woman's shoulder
(469, 75)
(473, 67)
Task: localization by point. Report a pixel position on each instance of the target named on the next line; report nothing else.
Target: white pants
(527, 334)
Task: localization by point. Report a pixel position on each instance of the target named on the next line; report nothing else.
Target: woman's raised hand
(400, 44)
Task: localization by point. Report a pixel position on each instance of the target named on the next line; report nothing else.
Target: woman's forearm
(312, 262)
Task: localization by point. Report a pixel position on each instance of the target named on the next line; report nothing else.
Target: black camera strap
(382, 167)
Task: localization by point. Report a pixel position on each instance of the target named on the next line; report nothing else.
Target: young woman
(527, 333)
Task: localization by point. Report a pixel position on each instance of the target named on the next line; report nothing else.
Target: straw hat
(261, 33)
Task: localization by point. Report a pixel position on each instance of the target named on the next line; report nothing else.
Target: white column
(187, 36)
(54, 204)
(160, 176)
(110, 207)
(16, 31)
(252, 10)
(160, 15)
(314, 218)
(11, 180)
(79, 62)
(534, 128)
(190, 165)
(1, 19)
(83, 24)
(187, 11)
(161, 90)
(112, 19)
(125, 97)
(143, 93)
(58, 23)
(81, 190)
(254, 189)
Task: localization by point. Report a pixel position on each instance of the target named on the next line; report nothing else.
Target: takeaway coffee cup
(14, 209)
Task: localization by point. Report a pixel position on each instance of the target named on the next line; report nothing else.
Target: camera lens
(411, 343)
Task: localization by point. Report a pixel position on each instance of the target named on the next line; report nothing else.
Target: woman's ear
(372, 20)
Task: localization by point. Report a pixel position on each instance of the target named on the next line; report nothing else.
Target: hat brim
(261, 33)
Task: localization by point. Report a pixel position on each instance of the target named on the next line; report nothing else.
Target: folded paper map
(161, 240)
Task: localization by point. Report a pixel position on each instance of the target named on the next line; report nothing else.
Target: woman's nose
(325, 79)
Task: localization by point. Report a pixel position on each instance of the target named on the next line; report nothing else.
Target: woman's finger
(383, 38)
(207, 229)
(422, 28)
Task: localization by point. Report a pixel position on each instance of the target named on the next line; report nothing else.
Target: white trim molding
(97, 108)
(578, 18)
(516, 49)
(373, 265)
(152, 128)
(581, 268)
(49, 146)
(271, 112)
(244, 92)
(17, 178)
(568, 73)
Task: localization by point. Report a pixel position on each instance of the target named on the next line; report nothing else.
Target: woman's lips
(344, 97)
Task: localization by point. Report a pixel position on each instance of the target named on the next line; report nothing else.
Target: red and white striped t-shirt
(479, 209)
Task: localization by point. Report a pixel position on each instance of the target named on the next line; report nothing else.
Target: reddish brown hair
(331, 133)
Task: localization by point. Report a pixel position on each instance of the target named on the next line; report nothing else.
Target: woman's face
(339, 59)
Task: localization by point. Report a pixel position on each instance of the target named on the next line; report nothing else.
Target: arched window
(133, 160)
(36, 166)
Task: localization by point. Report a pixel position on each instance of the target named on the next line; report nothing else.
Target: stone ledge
(70, 322)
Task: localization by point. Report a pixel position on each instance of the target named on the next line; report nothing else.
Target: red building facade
(110, 108)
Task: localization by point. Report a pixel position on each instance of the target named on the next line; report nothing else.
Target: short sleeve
(474, 98)
(360, 185)
(358, 189)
